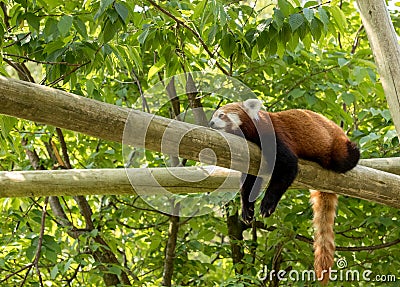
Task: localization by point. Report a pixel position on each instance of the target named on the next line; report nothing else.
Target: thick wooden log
(115, 181)
(362, 182)
(65, 110)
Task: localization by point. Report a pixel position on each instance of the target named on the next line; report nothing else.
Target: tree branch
(391, 164)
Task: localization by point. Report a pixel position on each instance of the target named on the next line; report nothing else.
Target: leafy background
(292, 54)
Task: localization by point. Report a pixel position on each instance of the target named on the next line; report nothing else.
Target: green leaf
(50, 28)
(391, 134)
(156, 68)
(33, 21)
(212, 33)
(311, 3)
(142, 37)
(228, 44)
(114, 269)
(339, 18)
(273, 47)
(308, 14)
(296, 93)
(280, 51)
(112, 15)
(307, 41)
(293, 41)
(285, 7)
(278, 19)
(323, 15)
(342, 62)
(199, 10)
(104, 4)
(295, 21)
(64, 25)
(80, 27)
(122, 11)
(263, 40)
(54, 272)
(155, 243)
(264, 24)
(30, 252)
(316, 27)
(110, 29)
(386, 115)
(222, 15)
(53, 46)
(285, 34)
(250, 35)
(348, 98)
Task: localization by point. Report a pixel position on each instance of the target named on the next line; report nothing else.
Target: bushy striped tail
(324, 208)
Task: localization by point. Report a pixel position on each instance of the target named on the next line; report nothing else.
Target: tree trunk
(384, 44)
(235, 232)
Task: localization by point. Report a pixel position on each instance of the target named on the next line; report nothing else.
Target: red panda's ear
(252, 107)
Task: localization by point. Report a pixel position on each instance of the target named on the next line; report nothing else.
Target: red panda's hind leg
(249, 183)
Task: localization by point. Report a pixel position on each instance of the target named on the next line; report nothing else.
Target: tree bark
(235, 232)
(362, 182)
(391, 164)
(385, 47)
(65, 110)
(170, 248)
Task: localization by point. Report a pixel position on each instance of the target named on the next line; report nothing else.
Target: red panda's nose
(211, 124)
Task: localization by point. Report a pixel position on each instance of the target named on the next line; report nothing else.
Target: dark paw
(267, 208)
(247, 214)
(267, 212)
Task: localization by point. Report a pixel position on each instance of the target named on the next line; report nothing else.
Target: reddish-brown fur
(324, 208)
(313, 137)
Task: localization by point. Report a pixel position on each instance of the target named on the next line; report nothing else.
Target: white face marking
(252, 107)
(235, 120)
(219, 123)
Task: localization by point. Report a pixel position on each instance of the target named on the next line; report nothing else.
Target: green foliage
(292, 54)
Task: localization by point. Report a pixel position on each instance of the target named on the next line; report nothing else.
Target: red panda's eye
(221, 116)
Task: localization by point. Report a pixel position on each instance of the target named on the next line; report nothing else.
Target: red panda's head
(235, 116)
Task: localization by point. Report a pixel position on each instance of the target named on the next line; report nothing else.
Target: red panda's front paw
(267, 208)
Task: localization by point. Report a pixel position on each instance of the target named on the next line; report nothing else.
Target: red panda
(298, 134)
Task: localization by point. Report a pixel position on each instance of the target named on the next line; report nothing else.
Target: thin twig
(356, 40)
(145, 105)
(299, 82)
(28, 266)
(69, 73)
(64, 148)
(194, 32)
(338, 248)
(40, 62)
(18, 41)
